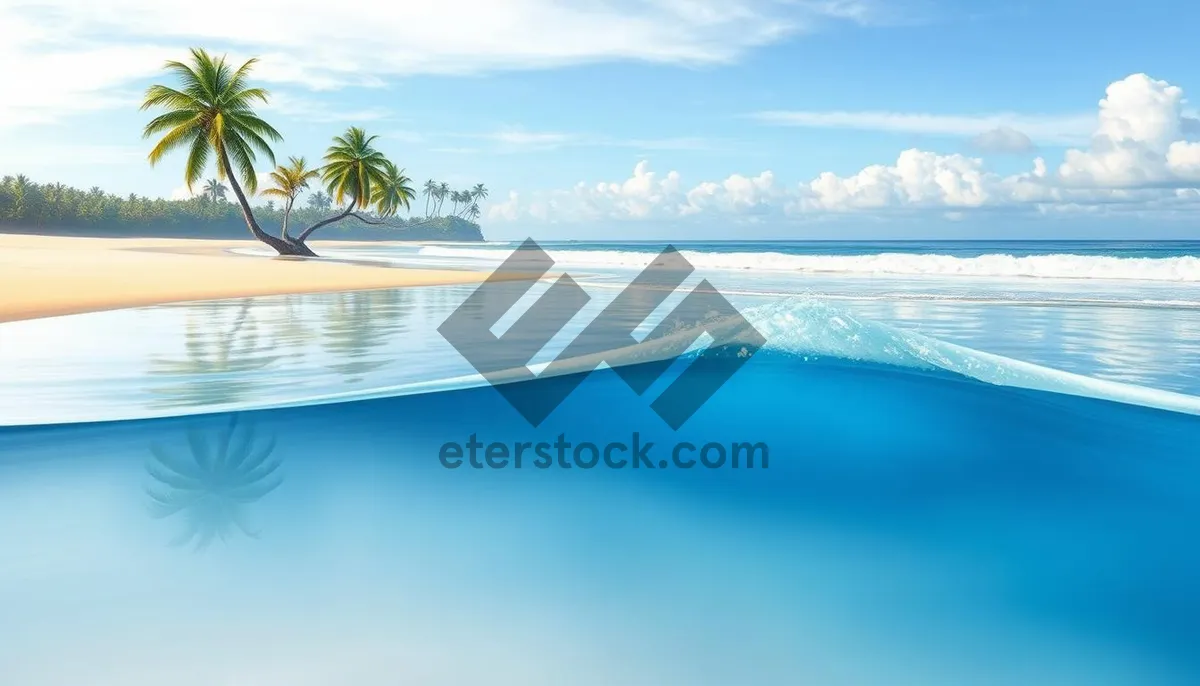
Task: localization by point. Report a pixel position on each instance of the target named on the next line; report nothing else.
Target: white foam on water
(1059, 266)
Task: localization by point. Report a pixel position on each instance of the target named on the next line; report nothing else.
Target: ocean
(975, 467)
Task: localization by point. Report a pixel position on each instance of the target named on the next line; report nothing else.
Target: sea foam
(1057, 266)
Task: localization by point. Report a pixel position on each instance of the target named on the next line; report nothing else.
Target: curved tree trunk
(277, 244)
(299, 241)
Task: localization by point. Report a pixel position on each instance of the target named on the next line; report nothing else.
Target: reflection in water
(219, 353)
(221, 473)
(290, 331)
(207, 357)
(360, 322)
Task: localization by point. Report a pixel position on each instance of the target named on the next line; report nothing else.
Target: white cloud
(76, 56)
(918, 178)
(317, 111)
(50, 155)
(1140, 140)
(1139, 159)
(47, 74)
(645, 194)
(517, 139)
(1048, 129)
(183, 192)
(1002, 139)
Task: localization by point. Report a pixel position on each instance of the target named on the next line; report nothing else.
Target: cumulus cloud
(76, 56)
(1140, 140)
(1002, 139)
(646, 194)
(1140, 157)
(918, 178)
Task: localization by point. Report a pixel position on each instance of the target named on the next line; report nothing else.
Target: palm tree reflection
(360, 322)
(209, 486)
(219, 355)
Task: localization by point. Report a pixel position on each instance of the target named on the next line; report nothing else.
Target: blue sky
(669, 118)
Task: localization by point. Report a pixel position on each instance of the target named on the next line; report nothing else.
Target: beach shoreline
(48, 276)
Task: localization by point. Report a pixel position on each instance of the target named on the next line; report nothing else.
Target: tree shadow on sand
(210, 482)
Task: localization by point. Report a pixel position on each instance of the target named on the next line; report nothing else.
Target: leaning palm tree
(470, 200)
(353, 171)
(212, 114)
(394, 192)
(290, 180)
(473, 211)
(429, 190)
(442, 191)
(479, 192)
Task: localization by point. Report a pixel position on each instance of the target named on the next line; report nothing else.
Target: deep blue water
(910, 527)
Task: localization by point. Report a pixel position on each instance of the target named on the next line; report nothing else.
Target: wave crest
(1057, 266)
(807, 328)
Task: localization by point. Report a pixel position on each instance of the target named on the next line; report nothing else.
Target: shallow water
(258, 352)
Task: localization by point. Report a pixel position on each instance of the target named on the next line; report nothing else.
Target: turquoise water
(971, 479)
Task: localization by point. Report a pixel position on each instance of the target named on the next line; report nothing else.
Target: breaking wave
(1057, 266)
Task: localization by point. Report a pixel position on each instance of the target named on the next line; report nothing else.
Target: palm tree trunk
(299, 240)
(287, 212)
(278, 245)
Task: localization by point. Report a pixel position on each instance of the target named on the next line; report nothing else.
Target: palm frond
(177, 137)
(197, 161)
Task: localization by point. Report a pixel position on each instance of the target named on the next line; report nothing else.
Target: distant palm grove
(57, 209)
(208, 114)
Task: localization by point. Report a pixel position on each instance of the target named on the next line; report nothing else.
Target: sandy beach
(45, 276)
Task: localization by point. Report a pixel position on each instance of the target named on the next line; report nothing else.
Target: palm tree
(353, 171)
(212, 114)
(430, 190)
(470, 200)
(455, 198)
(320, 201)
(290, 180)
(479, 192)
(393, 192)
(473, 211)
(442, 191)
(214, 190)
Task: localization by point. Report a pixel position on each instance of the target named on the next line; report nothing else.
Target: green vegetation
(436, 193)
(57, 209)
(211, 116)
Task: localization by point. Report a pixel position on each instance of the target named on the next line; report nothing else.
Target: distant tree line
(55, 208)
